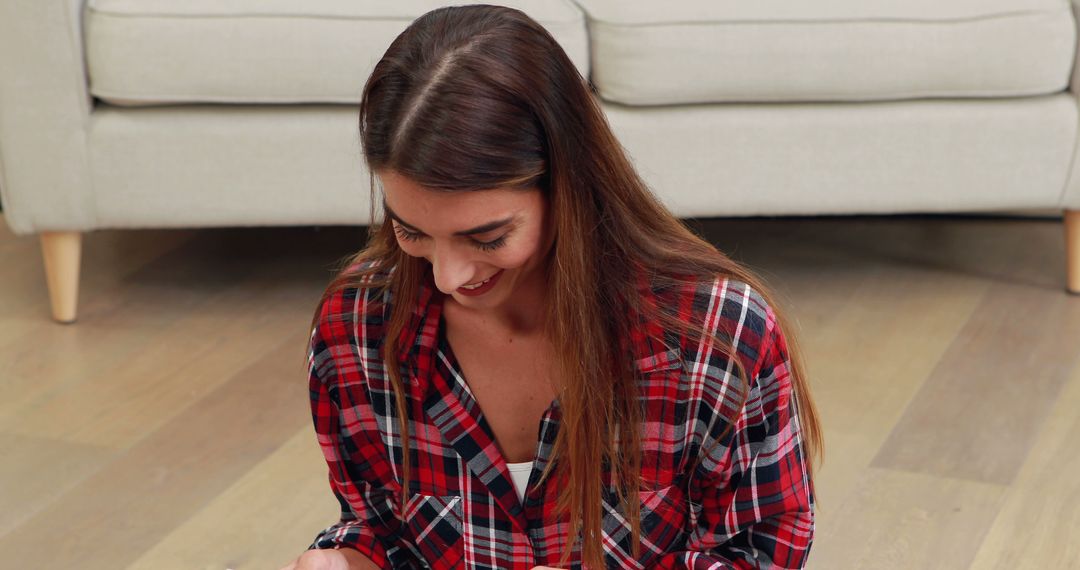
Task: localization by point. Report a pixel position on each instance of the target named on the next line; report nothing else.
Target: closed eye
(406, 234)
(411, 236)
(490, 245)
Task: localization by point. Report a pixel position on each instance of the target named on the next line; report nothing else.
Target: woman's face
(483, 245)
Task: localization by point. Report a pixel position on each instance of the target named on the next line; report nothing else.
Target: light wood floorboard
(169, 427)
(1037, 525)
(292, 500)
(35, 470)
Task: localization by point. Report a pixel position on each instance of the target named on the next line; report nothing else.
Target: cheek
(509, 257)
(518, 253)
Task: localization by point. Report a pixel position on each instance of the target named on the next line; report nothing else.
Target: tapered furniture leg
(1072, 250)
(62, 252)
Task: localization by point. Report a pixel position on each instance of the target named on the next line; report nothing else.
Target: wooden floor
(169, 427)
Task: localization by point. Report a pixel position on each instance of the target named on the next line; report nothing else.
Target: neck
(521, 316)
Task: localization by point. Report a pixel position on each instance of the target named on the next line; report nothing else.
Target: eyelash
(481, 245)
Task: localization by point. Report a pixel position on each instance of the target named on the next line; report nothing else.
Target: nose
(451, 268)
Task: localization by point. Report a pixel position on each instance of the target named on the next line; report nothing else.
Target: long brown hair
(470, 98)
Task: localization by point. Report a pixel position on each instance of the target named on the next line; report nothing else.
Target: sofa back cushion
(149, 52)
(707, 51)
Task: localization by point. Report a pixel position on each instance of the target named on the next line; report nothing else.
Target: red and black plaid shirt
(746, 504)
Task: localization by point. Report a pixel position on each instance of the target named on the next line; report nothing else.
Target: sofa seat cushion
(264, 51)
(705, 51)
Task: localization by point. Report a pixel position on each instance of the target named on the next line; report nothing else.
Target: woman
(535, 344)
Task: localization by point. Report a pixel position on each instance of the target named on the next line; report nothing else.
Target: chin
(490, 300)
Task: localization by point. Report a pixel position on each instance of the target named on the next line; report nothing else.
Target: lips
(477, 286)
(481, 289)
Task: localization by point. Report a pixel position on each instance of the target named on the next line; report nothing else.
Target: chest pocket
(435, 525)
(663, 527)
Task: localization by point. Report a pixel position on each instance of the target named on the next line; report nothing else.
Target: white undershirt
(519, 473)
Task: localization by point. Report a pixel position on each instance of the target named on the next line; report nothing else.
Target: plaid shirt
(746, 504)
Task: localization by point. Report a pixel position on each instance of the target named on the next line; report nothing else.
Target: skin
(426, 223)
(344, 559)
(516, 300)
(329, 559)
(429, 222)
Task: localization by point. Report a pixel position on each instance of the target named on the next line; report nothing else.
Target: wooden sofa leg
(1072, 250)
(62, 252)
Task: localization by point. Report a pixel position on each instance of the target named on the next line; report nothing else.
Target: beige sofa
(199, 113)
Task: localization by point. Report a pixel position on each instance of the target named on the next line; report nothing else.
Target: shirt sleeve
(368, 521)
(752, 504)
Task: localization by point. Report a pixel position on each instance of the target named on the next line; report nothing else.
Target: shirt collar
(424, 318)
(419, 338)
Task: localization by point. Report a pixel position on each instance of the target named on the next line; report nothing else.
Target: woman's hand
(327, 559)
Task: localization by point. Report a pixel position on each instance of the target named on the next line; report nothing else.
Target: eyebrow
(481, 229)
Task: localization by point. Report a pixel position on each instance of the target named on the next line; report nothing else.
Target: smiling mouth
(478, 285)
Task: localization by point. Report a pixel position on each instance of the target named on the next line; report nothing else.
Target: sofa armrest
(1074, 80)
(44, 114)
